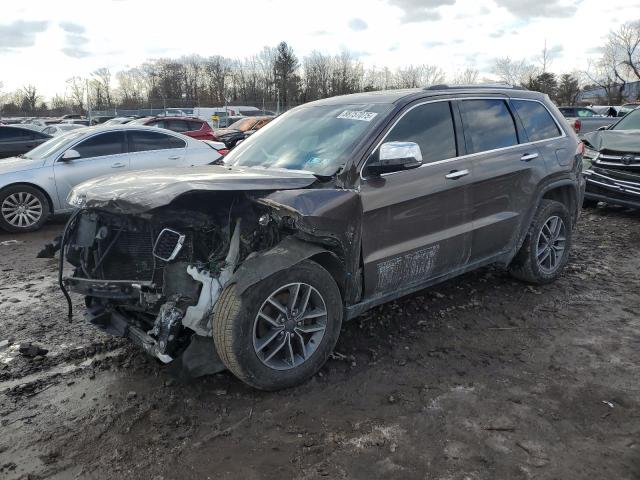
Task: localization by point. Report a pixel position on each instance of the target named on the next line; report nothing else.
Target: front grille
(131, 257)
(168, 244)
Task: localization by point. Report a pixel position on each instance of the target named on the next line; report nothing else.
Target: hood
(616, 140)
(221, 132)
(140, 191)
(17, 164)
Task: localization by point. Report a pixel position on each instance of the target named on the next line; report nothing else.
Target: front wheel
(545, 250)
(22, 209)
(279, 332)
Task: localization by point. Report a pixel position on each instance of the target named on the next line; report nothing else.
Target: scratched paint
(407, 268)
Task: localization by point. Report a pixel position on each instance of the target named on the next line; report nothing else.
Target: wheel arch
(284, 255)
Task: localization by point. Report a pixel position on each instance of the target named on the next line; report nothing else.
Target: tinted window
(177, 125)
(13, 134)
(111, 143)
(195, 125)
(488, 125)
(431, 127)
(585, 112)
(537, 121)
(145, 141)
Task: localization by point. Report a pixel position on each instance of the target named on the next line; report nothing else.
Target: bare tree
(77, 90)
(468, 76)
(513, 72)
(30, 97)
(101, 82)
(624, 46)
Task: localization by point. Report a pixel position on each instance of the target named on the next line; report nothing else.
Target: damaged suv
(331, 209)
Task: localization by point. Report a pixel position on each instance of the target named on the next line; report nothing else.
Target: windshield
(630, 122)
(626, 109)
(56, 143)
(318, 139)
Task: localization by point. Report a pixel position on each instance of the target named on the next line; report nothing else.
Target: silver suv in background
(35, 185)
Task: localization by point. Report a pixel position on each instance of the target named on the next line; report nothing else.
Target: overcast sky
(44, 42)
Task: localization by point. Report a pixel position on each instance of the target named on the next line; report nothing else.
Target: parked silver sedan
(36, 184)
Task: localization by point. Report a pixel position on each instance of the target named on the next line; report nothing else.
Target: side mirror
(70, 154)
(396, 156)
(604, 127)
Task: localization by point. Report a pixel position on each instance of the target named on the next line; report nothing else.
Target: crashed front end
(152, 261)
(154, 277)
(612, 170)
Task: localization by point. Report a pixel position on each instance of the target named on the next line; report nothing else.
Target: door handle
(455, 174)
(528, 156)
(175, 157)
(118, 165)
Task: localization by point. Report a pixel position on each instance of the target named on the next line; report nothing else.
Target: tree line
(277, 78)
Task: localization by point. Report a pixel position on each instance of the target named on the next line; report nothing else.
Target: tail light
(223, 151)
(577, 125)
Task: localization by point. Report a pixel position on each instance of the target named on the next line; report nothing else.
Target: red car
(191, 126)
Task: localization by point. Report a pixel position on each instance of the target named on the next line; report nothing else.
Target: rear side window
(146, 141)
(488, 125)
(111, 143)
(194, 125)
(13, 134)
(536, 119)
(585, 112)
(177, 125)
(431, 127)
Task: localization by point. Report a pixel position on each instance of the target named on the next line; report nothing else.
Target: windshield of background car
(56, 143)
(314, 138)
(630, 122)
(626, 109)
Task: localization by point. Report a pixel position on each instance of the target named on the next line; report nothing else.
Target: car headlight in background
(590, 154)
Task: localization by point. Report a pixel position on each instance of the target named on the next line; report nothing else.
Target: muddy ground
(478, 378)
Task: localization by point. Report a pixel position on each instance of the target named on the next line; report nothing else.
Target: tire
(526, 265)
(589, 203)
(239, 333)
(34, 204)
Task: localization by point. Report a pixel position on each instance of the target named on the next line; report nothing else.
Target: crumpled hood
(221, 132)
(140, 191)
(17, 164)
(617, 140)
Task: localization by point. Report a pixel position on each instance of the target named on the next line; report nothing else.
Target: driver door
(417, 223)
(100, 154)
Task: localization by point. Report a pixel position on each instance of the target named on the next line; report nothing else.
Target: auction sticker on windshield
(357, 115)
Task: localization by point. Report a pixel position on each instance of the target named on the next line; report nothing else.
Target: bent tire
(545, 250)
(279, 332)
(22, 209)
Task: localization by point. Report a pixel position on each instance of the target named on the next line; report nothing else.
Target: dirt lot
(479, 378)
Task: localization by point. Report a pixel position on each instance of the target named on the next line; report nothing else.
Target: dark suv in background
(329, 210)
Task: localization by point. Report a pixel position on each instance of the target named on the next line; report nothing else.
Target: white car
(60, 129)
(36, 184)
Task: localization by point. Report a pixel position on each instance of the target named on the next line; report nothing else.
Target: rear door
(150, 149)
(507, 169)
(417, 223)
(101, 154)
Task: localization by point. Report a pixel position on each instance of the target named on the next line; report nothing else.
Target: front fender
(285, 254)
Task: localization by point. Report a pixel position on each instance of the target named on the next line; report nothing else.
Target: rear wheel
(279, 332)
(545, 250)
(22, 209)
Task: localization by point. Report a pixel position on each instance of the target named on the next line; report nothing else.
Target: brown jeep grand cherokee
(333, 208)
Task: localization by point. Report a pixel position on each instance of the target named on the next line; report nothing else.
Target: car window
(630, 122)
(585, 112)
(111, 143)
(536, 119)
(488, 125)
(13, 134)
(431, 127)
(194, 125)
(146, 141)
(177, 125)
(49, 130)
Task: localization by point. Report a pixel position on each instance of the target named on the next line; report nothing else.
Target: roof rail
(445, 86)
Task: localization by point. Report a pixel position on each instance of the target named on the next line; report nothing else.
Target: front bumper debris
(613, 186)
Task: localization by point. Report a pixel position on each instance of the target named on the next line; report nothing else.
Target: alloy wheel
(22, 209)
(289, 326)
(551, 244)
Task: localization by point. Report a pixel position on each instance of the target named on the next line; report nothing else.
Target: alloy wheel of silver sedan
(289, 326)
(551, 244)
(21, 209)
